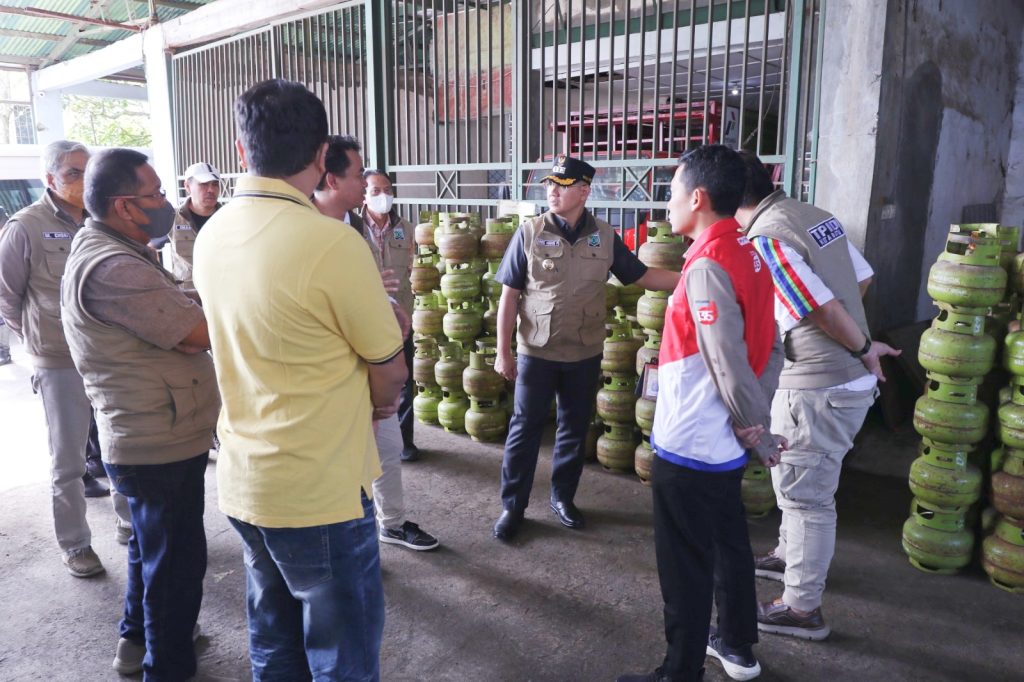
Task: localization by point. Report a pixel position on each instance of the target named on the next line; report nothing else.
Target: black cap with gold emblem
(567, 171)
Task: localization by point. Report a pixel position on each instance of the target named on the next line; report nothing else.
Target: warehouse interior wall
(1013, 200)
(900, 169)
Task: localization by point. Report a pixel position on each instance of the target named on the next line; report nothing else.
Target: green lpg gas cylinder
(648, 352)
(497, 236)
(451, 411)
(427, 315)
(1011, 416)
(485, 420)
(423, 276)
(949, 412)
(643, 458)
(449, 367)
(662, 249)
(616, 448)
(650, 310)
(756, 490)
(942, 476)
(1008, 493)
(423, 361)
(935, 540)
(424, 405)
(616, 401)
(967, 273)
(1002, 555)
(956, 343)
(463, 321)
(460, 282)
(620, 348)
(479, 380)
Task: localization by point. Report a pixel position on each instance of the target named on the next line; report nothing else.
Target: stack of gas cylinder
(1003, 550)
(454, 322)
(957, 351)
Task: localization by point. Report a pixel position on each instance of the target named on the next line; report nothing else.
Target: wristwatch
(863, 351)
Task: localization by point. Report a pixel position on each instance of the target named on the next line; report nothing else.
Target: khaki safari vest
(153, 406)
(182, 242)
(49, 231)
(813, 358)
(562, 309)
(397, 254)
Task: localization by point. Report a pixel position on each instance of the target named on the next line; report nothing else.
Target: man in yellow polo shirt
(308, 352)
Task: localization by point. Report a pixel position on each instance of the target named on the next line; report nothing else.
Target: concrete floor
(557, 605)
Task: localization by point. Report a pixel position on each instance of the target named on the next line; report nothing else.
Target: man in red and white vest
(719, 363)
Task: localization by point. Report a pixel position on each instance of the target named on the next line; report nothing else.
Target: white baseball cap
(202, 172)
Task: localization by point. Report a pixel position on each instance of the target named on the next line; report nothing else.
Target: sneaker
(83, 563)
(94, 487)
(776, 617)
(409, 535)
(129, 655)
(769, 566)
(122, 533)
(737, 665)
(410, 453)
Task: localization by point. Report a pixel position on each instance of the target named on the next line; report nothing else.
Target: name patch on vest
(548, 242)
(182, 227)
(56, 235)
(594, 240)
(826, 232)
(399, 233)
(707, 312)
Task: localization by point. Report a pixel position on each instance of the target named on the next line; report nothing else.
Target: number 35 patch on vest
(707, 312)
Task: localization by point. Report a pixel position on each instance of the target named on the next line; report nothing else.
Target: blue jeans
(315, 600)
(166, 561)
(537, 382)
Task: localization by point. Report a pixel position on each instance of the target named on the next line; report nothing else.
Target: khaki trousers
(388, 497)
(820, 425)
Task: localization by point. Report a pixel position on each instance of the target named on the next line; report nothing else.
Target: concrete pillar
(157, 62)
(49, 114)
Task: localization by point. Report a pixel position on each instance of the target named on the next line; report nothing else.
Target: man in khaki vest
(139, 341)
(34, 247)
(828, 382)
(339, 194)
(202, 181)
(553, 278)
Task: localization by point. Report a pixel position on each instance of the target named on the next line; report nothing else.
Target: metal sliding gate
(466, 102)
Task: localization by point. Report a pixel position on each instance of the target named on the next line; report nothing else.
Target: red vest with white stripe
(752, 283)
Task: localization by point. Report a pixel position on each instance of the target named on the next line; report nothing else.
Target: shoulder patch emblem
(826, 232)
(707, 313)
(399, 233)
(56, 235)
(594, 240)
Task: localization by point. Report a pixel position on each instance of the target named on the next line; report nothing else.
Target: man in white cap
(202, 181)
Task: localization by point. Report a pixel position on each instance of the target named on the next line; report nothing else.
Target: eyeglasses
(159, 194)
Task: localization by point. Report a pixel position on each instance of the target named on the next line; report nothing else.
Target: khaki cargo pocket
(535, 321)
(800, 478)
(592, 329)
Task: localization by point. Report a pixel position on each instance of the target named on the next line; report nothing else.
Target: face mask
(161, 220)
(380, 203)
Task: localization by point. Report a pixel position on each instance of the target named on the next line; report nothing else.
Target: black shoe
(94, 488)
(655, 676)
(507, 525)
(94, 468)
(567, 513)
(410, 453)
(409, 535)
(739, 665)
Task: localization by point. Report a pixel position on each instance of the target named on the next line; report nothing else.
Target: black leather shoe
(95, 488)
(410, 453)
(507, 525)
(567, 513)
(94, 468)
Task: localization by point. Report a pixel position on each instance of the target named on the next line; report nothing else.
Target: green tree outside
(106, 122)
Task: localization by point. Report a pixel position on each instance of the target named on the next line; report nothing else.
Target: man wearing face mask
(34, 246)
(391, 242)
(138, 341)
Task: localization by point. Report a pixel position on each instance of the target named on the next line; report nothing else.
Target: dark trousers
(703, 549)
(538, 381)
(166, 561)
(405, 420)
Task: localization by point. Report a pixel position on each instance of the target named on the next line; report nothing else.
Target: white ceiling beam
(107, 89)
(120, 56)
(228, 17)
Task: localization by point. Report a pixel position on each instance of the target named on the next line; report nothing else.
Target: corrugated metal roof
(38, 41)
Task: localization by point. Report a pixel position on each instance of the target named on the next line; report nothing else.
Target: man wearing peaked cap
(553, 278)
(202, 181)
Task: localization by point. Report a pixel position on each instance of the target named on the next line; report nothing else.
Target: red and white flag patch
(707, 312)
